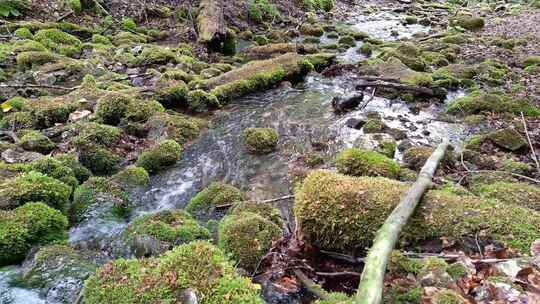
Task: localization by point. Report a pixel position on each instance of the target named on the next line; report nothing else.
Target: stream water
(304, 119)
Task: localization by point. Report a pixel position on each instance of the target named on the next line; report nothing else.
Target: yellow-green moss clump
(48, 112)
(203, 204)
(521, 194)
(416, 157)
(478, 102)
(361, 162)
(261, 140)
(28, 225)
(162, 156)
(88, 193)
(468, 22)
(132, 177)
(34, 187)
(30, 59)
(33, 140)
(169, 228)
(170, 125)
(338, 212)
(58, 41)
(447, 296)
(56, 168)
(263, 209)
(198, 266)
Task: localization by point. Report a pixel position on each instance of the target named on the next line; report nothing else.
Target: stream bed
(302, 115)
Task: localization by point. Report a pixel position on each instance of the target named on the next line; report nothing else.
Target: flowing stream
(305, 121)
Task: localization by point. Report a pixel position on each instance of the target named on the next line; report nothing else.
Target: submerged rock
(346, 104)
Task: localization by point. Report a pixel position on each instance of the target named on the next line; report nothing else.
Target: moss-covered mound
(33, 223)
(178, 127)
(198, 266)
(416, 157)
(261, 140)
(246, 237)
(263, 209)
(521, 194)
(55, 168)
(162, 156)
(360, 162)
(343, 213)
(58, 41)
(34, 187)
(132, 177)
(91, 191)
(478, 102)
(35, 141)
(468, 22)
(202, 205)
(169, 228)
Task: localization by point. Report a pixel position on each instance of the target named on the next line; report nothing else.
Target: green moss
(177, 127)
(30, 59)
(230, 43)
(348, 41)
(112, 107)
(155, 54)
(478, 102)
(265, 210)
(408, 53)
(58, 41)
(531, 60)
(88, 193)
(129, 24)
(31, 224)
(456, 39)
(325, 5)
(99, 134)
(401, 263)
(56, 169)
(17, 120)
(132, 177)
(100, 39)
(457, 270)
(71, 161)
(517, 167)
(360, 162)
(411, 19)
(35, 187)
(387, 148)
(98, 159)
(312, 30)
(164, 155)
(198, 265)
(173, 227)
(75, 5)
(507, 138)
(468, 22)
(366, 49)
(201, 101)
(48, 112)
(24, 33)
(447, 296)
(399, 295)
(203, 204)
(246, 238)
(35, 141)
(261, 140)
(521, 194)
(374, 125)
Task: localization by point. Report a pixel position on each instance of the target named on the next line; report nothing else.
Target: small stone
(78, 115)
(12, 156)
(508, 138)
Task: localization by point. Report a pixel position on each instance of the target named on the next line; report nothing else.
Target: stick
(530, 143)
(399, 86)
(20, 86)
(311, 286)
(372, 280)
(338, 274)
(497, 171)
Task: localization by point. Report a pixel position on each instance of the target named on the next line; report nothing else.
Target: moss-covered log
(263, 74)
(211, 23)
(277, 49)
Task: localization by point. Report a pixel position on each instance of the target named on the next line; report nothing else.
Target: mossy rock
(348, 41)
(263, 209)
(48, 112)
(59, 41)
(28, 225)
(111, 108)
(175, 126)
(98, 159)
(361, 162)
(468, 22)
(328, 206)
(156, 233)
(508, 138)
(71, 161)
(33, 58)
(89, 193)
(141, 110)
(408, 53)
(55, 168)
(246, 237)
(35, 187)
(35, 141)
(162, 156)
(531, 61)
(447, 296)
(132, 177)
(261, 140)
(201, 101)
(54, 265)
(99, 134)
(198, 266)
(154, 54)
(519, 193)
(312, 30)
(203, 204)
(416, 157)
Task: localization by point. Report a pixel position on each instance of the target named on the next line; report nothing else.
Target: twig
(535, 158)
(478, 245)
(311, 286)
(364, 105)
(64, 16)
(128, 77)
(19, 86)
(343, 257)
(432, 37)
(497, 171)
(338, 274)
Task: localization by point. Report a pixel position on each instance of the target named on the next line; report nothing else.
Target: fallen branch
(311, 286)
(364, 105)
(505, 172)
(372, 280)
(399, 86)
(64, 16)
(338, 274)
(534, 157)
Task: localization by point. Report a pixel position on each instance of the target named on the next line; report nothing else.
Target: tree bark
(372, 280)
(211, 23)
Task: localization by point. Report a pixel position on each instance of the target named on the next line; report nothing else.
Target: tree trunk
(372, 280)
(211, 23)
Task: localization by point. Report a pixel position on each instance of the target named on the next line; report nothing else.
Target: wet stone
(355, 123)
